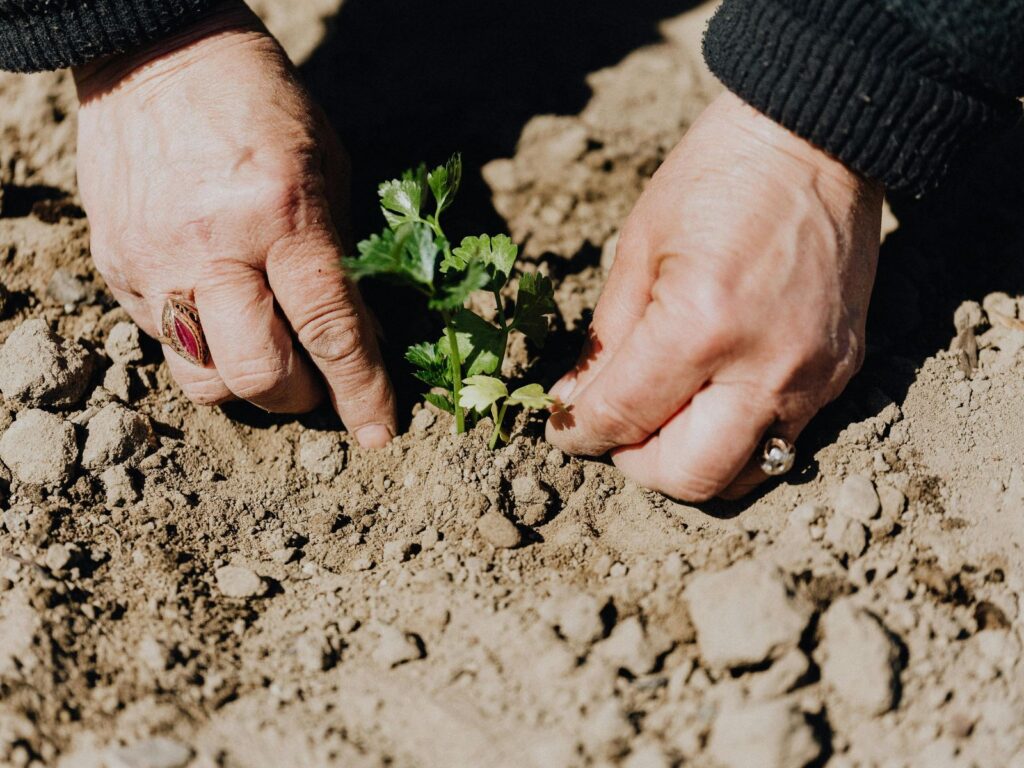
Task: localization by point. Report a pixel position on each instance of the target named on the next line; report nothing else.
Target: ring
(777, 456)
(181, 330)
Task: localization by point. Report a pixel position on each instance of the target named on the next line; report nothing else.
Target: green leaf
(535, 300)
(440, 401)
(401, 199)
(532, 396)
(497, 253)
(444, 181)
(377, 256)
(481, 345)
(454, 295)
(432, 367)
(419, 251)
(481, 392)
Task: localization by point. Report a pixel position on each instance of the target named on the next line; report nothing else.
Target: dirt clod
(40, 448)
(772, 734)
(114, 435)
(498, 530)
(859, 659)
(745, 615)
(39, 368)
(240, 582)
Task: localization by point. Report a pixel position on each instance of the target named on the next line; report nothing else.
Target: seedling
(414, 251)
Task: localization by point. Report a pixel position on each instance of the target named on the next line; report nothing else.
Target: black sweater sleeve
(49, 34)
(893, 88)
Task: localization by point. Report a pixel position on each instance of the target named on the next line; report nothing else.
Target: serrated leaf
(444, 181)
(453, 295)
(497, 253)
(400, 200)
(534, 302)
(439, 401)
(419, 250)
(481, 392)
(378, 255)
(481, 345)
(532, 396)
(432, 367)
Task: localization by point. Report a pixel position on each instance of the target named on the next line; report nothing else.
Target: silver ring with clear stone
(777, 456)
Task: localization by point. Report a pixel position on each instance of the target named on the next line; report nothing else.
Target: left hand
(735, 307)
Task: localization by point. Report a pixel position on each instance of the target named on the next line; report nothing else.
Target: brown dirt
(391, 632)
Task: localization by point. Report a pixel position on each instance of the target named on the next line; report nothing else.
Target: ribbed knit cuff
(52, 34)
(854, 81)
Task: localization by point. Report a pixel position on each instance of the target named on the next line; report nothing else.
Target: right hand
(206, 171)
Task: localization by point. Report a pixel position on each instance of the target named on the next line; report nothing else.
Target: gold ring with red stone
(181, 330)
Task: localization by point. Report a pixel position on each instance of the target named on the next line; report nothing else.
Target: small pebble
(240, 582)
(857, 499)
(395, 647)
(58, 557)
(498, 530)
(122, 344)
(157, 752)
(40, 448)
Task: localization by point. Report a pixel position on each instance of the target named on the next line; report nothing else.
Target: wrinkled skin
(206, 171)
(736, 306)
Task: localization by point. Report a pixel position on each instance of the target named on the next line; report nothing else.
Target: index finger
(333, 325)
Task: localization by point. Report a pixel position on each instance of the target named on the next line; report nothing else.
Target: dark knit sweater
(893, 88)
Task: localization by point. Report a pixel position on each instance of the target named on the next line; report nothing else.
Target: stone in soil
(122, 344)
(629, 647)
(499, 531)
(575, 616)
(321, 453)
(38, 367)
(395, 647)
(745, 615)
(848, 536)
(532, 500)
(58, 557)
(157, 752)
(772, 734)
(40, 448)
(118, 382)
(859, 659)
(116, 434)
(119, 486)
(857, 499)
(240, 582)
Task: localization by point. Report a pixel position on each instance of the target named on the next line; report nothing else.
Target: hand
(206, 170)
(736, 306)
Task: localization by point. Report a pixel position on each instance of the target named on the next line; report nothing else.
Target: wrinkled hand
(736, 305)
(206, 171)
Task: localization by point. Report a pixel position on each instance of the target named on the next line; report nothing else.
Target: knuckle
(614, 423)
(334, 338)
(206, 392)
(265, 378)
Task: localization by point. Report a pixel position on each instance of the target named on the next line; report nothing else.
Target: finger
(641, 386)
(752, 475)
(621, 305)
(251, 343)
(328, 316)
(202, 385)
(703, 448)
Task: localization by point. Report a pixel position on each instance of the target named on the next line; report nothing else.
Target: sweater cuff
(64, 33)
(853, 80)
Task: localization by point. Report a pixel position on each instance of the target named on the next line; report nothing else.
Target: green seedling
(414, 251)
(483, 393)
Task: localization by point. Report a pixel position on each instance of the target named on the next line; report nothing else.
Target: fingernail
(374, 436)
(563, 388)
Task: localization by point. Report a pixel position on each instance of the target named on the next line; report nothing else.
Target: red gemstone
(187, 338)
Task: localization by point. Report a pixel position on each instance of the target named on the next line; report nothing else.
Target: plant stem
(456, 365)
(497, 425)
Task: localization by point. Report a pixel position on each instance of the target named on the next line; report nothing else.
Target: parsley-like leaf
(454, 295)
(400, 200)
(481, 345)
(481, 392)
(532, 396)
(406, 255)
(444, 181)
(439, 401)
(536, 300)
(497, 253)
(431, 366)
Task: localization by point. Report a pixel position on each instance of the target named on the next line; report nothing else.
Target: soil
(182, 586)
